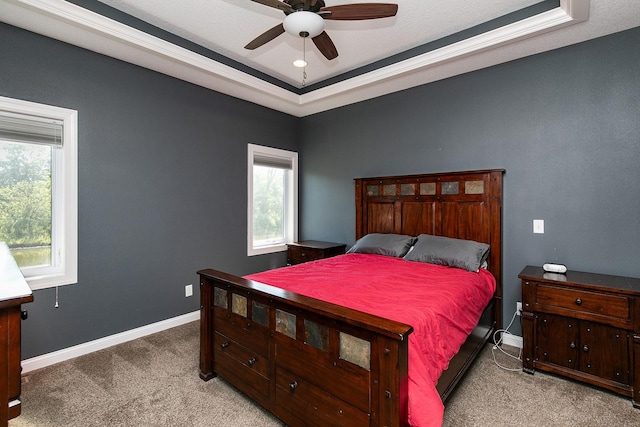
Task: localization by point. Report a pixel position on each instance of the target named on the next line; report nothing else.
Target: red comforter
(443, 305)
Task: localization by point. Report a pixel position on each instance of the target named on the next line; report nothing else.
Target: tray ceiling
(202, 41)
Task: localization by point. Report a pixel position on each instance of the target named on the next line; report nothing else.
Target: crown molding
(75, 25)
(570, 12)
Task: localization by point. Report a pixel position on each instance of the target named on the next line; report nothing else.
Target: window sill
(50, 281)
(263, 250)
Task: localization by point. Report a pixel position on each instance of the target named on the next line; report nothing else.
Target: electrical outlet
(519, 308)
(188, 290)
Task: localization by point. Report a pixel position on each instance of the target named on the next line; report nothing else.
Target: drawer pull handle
(224, 345)
(585, 348)
(293, 386)
(572, 345)
(252, 361)
(578, 301)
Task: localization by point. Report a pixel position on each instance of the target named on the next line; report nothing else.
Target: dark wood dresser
(14, 291)
(311, 250)
(584, 326)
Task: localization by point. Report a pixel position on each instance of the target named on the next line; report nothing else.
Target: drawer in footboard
(243, 355)
(243, 330)
(342, 379)
(241, 374)
(299, 399)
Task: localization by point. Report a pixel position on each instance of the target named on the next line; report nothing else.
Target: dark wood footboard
(308, 362)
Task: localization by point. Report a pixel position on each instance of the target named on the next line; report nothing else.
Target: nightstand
(311, 250)
(584, 326)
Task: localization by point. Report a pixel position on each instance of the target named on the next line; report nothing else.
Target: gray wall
(162, 175)
(162, 186)
(564, 124)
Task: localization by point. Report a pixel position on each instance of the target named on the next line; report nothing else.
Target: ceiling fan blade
(358, 11)
(325, 45)
(276, 3)
(265, 37)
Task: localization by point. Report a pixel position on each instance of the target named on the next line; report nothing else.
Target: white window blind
(31, 129)
(272, 161)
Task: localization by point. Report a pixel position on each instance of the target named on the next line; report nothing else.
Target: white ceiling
(225, 26)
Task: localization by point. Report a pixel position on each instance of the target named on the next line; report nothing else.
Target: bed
(311, 358)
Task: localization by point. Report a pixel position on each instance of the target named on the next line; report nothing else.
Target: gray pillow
(396, 245)
(440, 250)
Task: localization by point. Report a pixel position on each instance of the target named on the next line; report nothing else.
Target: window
(272, 199)
(38, 190)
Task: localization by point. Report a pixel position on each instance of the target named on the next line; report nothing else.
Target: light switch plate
(538, 226)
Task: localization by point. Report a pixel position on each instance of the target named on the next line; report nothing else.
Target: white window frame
(291, 198)
(64, 197)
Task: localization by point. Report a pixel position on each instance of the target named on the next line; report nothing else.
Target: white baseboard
(48, 359)
(512, 340)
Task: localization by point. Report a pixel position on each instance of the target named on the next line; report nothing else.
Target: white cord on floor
(496, 346)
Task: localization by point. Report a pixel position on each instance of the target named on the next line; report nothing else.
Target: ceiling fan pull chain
(304, 59)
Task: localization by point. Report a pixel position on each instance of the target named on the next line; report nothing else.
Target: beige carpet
(153, 381)
(491, 396)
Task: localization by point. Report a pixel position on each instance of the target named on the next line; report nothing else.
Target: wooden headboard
(463, 205)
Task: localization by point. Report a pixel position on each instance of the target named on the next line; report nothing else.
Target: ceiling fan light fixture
(300, 63)
(304, 24)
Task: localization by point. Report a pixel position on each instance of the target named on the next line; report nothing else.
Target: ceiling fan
(305, 18)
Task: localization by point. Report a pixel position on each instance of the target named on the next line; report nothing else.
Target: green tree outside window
(25, 202)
